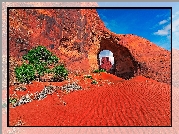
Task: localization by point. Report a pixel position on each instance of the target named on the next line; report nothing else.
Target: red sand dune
(134, 102)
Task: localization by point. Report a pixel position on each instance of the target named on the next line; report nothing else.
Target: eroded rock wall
(77, 36)
(65, 32)
(136, 55)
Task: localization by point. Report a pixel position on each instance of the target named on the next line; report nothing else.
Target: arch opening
(123, 64)
(106, 61)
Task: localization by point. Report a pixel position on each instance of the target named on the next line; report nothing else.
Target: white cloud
(163, 22)
(165, 31)
(161, 32)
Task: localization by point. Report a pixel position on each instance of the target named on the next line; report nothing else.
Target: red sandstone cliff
(77, 36)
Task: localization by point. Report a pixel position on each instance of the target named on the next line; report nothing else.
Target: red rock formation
(67, 29)
(77, 36)
(105, 63)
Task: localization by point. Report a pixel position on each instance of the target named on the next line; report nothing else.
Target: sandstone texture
(77, 36)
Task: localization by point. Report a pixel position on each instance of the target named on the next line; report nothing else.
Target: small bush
(40, 54)
(25, 73)
(60, 73)
(40, 59)
(94, 82)
(98, 71)
(48, 71)
(12, 100)
(41, 68)
(88, 76)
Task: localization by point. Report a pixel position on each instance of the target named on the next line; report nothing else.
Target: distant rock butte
(105, 63)
(77, 36)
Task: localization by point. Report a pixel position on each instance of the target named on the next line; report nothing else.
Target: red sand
(134, 102)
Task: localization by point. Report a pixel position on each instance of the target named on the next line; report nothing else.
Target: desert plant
(12, 100)
(88, 76)
(48, 71)
(40, 54)
(41, 68)
(25, 73)
(60, 72)
(99, 70)
(94, 82)
(39, 59)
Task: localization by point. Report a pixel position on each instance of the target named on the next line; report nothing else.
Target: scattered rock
(21, 89)
(47, 90)
(23, 100)
(71, 87)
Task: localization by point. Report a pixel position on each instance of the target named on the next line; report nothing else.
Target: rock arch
(125, 65)
(86, 36)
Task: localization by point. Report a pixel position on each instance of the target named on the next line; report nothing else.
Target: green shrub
(94, 82)
(25, 73)
(40, 54)
(60, 73)
(98, 71)
(39, 60)
(48, 71)
(40, 68)
(88, 76)
(52, 59)
(12, 100)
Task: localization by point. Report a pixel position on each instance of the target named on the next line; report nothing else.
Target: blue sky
(152, 24)
(155, 24)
